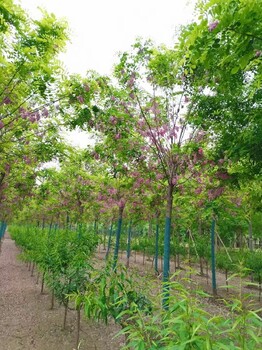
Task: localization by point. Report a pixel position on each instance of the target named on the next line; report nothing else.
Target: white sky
(102, 28)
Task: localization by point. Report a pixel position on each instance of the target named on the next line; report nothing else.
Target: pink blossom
(23, 113)
(118, 136)
(215, 192)
(223, 176)
(37, 116)
(159, 176)
(198, 190)
(212, 26)
(174, 181)
(147, 181)
(131, 82)
(2, 125)
(186, 99)
(155, 108)
(87, 87)
(162, 132)
(113, 120)
(27, 160)
(122, 203)
(80, 99)
(7, 100)
(112, 191)
(32, 118)
(258, 53)
(95, 155)
(200, 152)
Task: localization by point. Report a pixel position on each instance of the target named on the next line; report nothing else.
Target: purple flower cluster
(212, 26)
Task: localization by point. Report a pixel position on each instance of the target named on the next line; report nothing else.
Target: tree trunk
(65, 315)
(78, 326)
(250, 235)
(118, 234)
(128, 251)
(109, 240)
(166, 267)
(43, 282)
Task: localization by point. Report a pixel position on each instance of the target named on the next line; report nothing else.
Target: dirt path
(26, 321)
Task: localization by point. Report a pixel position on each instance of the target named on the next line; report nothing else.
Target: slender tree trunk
(201, 266)
(128, 251)
(37, 277)
(109, 240)
(250, 235)
(43, 282)
(226, 273)
(118, 234)
(52, 299)
(157, 246)
(65, 315)
(78, 326)
(32, 271)
(207, 270)
(260, 288)
(104, 238)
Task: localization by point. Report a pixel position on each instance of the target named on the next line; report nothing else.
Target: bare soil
(26, 321)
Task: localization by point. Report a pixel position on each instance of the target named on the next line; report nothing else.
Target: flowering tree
(29, 68)
(221, 58)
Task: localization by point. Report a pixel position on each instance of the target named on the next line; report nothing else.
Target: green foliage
(63, 255)
(221, 58)
(110, 293)
(187, 325)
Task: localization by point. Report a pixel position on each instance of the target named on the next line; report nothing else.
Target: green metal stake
(166, 267)
(213, 257)
(156, 247)
(118, 234)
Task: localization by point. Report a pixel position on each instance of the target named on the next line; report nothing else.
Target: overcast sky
(102, 28)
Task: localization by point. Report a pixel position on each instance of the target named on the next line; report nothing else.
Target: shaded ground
(26, 321)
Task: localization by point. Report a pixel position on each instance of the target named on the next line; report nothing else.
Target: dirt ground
(203, 282)
(26, 321)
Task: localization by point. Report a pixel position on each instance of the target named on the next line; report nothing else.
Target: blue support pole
(156, 247)
(166, 267)
(213, 257)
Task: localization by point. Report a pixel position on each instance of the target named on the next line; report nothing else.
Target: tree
(221, 58)
(28, 72)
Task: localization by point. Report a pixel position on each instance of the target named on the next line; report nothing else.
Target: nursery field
(149, 237)
(101, 302)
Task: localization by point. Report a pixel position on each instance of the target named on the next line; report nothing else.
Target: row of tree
(177, 131)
